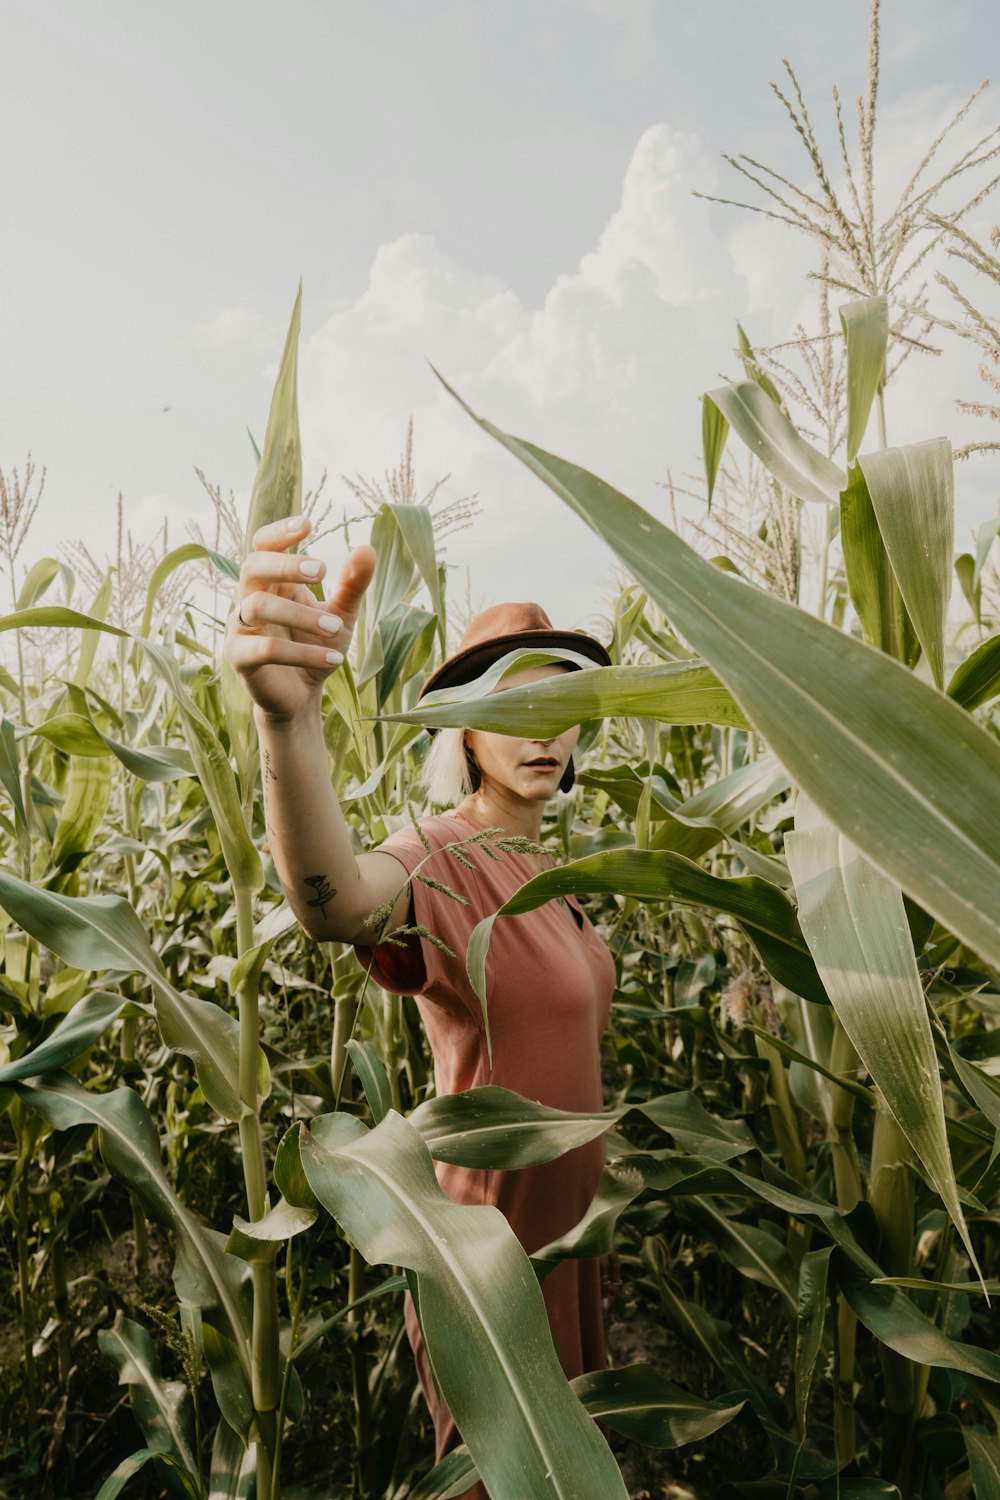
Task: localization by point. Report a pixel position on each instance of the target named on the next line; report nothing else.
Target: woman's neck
(497, 807)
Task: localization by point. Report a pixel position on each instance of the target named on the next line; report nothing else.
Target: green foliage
(786, 836)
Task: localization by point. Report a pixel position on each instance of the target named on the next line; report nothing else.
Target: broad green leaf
(639, 1403)
(10, 771)
(56, 614)
(417, 530)
(374, 1079)
(88, 644)
(714, 431)
(856, 927)
(204, 1275)
(38, 579)
(214, 772)
(866, 331)
(123, 1472)
(481, 1311)
(84, 809)
(812, 1306)
(896, 1322)
(103, 932)
(672, 693)
(965, 569)
(762, 910)
(594, 1233)
(316, 1334)
(400, 631)
(768, 433)
(493, 1127)
(261, 1239)
(233, 1475)
(983, 1452)
(277, 486)
(188, 552)
(912, 492)
(900, 769)
(977, 680)
(83, 1026)
(162, 1408)
(870, 579)
(752, 367)
(925, 1284)
(403, 537)
(77, 734)
(755, 1251)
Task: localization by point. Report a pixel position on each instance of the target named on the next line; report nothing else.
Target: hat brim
(466, 666)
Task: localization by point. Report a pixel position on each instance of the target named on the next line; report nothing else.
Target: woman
(549, 976)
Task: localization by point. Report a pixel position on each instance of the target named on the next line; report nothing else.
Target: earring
(568, 776)
(475, 775)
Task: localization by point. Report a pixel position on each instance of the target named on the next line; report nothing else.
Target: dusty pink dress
(549, 983)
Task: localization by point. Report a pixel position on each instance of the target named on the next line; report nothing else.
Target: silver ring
(239, 615)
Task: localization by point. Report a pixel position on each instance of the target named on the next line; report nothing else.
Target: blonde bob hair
(444, 774)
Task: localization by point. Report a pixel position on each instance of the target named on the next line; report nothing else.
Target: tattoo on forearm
(269, 775)
(324, 891)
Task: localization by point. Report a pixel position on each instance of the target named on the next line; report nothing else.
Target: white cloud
(231, 325)
(606, 372)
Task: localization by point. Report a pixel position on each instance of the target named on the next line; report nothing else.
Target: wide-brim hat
(503, 628)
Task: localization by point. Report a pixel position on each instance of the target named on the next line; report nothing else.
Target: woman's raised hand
(281, 641)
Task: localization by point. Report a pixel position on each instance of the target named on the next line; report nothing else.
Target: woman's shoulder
(414, 840)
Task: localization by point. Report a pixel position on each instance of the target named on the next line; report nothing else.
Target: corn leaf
(84, 809)
(233, 1474)
(189, 552)
(214, 772)
(768, 433)
(866, 331)
(594, 1234)
(870, 579)
(896, 1322)
(10, 771)
(88, 1020)
(162, 1408)
(103, 932)
(672, 693)
(762, 910)
(983, 1453)
(495, 1128)
(912, 493)
(714, 431)
(854, 922)
(900, 769)
(204, 1275)
(481, 1312)
(59, 615)
(38, 579)
(277, 486)
(977, 680)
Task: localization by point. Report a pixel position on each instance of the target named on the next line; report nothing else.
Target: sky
(502, 191)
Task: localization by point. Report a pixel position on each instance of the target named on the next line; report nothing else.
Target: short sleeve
(421, 965)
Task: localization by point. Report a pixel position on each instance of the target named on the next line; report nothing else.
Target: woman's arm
(330, 888)
(284, 643)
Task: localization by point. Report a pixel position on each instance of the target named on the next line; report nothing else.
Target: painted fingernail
(293, 523)
(332, 623)
(310, 567)
(335, 658)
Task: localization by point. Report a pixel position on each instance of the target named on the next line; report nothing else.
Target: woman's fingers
(277, 536)
(355, 576)
(262, 608)
(248, 651)
(261, 568)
